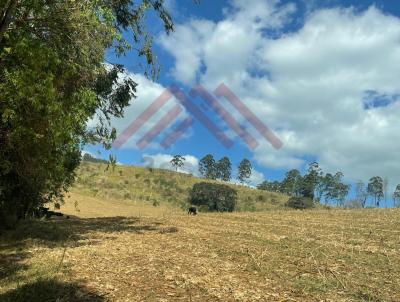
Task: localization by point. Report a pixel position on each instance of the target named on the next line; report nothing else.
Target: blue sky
(322, 75)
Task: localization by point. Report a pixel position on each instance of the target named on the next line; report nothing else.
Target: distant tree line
(209, 168)
(222, 169)
(314, 185)
(89, 158)
(329, 188)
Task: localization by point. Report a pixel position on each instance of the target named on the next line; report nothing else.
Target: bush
(300, 203)
(216, 197)
(261, 198)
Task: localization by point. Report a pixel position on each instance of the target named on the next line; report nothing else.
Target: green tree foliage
(334, 189)
(207, 167)
(244, 170)
(311, 180)
(89, 158)
(271, 186)
(216, 197)
(291, 184)
(224, 169)
(375, 189)
(361, 193)
(53, 80)
(396, 196)
(178, 161)
(300, 203)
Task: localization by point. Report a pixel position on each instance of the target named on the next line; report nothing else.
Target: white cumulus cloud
(308, 86)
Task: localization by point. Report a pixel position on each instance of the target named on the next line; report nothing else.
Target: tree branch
(6, 18)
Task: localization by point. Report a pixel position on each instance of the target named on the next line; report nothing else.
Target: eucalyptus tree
(311, 180)
(244, 170)
(375, 189)
(291, 183)
(178, 161)
(361, 193)
(224, 169)
(207, 167)
(396, 196)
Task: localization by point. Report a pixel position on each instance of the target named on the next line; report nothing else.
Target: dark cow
(192, 211)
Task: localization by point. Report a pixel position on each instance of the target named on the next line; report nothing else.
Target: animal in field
(192, 211)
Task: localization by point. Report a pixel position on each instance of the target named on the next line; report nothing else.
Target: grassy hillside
(119, 250)
(159, 187)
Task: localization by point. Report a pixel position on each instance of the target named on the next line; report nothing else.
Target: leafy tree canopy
(244, 170)
(53, 79)
(215, 197)
(375, 189)
(178, 161)
(207, 167)
(224, 169)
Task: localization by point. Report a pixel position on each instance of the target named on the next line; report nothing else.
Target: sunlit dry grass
(160, 187)
(121, 251)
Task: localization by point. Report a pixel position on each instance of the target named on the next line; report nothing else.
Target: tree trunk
(6, 17)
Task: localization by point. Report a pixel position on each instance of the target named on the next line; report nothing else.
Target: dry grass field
(119, 250)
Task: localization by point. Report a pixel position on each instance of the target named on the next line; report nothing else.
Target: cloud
(256, 178)
(163, 161)
(147, 92)
(307, 85)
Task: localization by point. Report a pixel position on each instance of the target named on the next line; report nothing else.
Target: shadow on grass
(50, 290)
(53, 232)
(16, 245)
(11, 263)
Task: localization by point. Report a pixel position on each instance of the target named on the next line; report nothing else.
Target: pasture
(119, 250)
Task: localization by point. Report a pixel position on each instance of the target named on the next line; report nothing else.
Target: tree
(385, 189)
(273, 186)
(375, 189)
(343, 190)
(178, 161)
(207, 167)
(334, 189)
(244, 170)
(311, 180)
(53, 80)
(215, 197)
(291, 183)
(396, 196)
(276, 186)
(361, 193)
(224, 169)
(90, 158)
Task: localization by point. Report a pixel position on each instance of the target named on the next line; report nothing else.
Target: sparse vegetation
(166, 187)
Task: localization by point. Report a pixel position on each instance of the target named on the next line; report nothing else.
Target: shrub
(261, 198)
(217, 197)
(300, 203)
